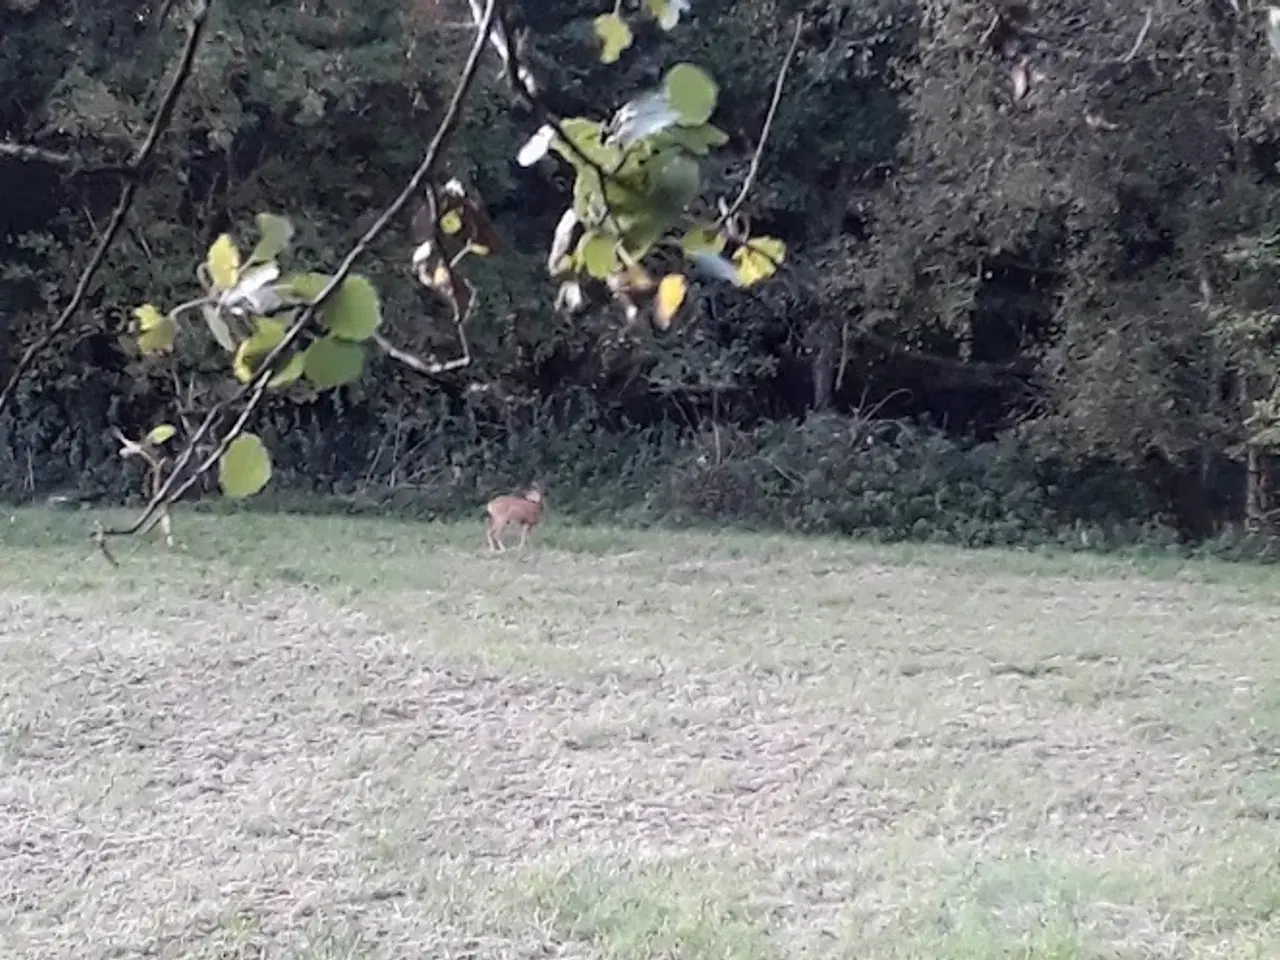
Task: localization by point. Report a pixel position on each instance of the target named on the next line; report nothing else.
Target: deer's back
(514, 510)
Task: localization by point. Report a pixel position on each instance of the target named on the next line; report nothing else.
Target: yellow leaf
(671, 293)
(450, 223)
(614, 36)
(156, 332)
(224, 262)
(148, 317)
(758, 259)
(160, 433)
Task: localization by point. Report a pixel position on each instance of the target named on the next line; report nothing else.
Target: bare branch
(138, 164)
(75, 166)
(254, 390)
(1137, 44)
(461, 310)
(754, 170)
(430, 368)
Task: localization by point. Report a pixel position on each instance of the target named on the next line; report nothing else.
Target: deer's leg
(167, 527)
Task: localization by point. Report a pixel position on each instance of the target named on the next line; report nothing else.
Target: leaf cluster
(247, 305)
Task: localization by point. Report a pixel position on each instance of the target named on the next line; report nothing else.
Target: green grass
(335, 737)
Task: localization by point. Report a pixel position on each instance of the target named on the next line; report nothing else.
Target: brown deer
(501, 512)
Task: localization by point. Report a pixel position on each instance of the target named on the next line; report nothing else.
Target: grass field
(335, 738)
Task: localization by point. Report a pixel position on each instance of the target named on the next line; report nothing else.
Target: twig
(1137, 44)
(28, 153)
(137, 165)
(256, 387)
(155, 461)
(430, 368)
(521, 80)
(100, 540)
(754, 170)
(461, 313)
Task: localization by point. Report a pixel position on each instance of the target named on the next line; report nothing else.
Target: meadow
(329, 737)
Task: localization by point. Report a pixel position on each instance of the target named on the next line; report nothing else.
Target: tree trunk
(825, 353)
(1258, 491)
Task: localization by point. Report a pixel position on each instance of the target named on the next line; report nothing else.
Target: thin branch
(1137, 44)
(430, 368)
(522, 82)
(138, 165)
(461, 313)
(74, 165)
(754, 170)
(172, 489)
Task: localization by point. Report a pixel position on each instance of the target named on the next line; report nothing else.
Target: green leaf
(353, 312)
(614, 36)
(290, 372)
(702, 239)
(699, 140)
(675, 180)
(306, 286)
(160, 433)
(640, 233)
(274, 234)
(587, 136)
(252, 349)
(245, 467)
(331, 362)
(224, 262)
(758, 259)
(692, 93)
(586, 194)
(218, 327)
(598, 254)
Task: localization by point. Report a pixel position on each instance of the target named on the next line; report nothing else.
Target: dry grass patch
(323, 738)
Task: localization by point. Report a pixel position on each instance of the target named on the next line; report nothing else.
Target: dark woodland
(1032, 253)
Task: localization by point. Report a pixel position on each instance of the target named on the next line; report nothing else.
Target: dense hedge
(831, 474)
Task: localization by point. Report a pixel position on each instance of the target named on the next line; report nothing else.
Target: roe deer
(501, 512)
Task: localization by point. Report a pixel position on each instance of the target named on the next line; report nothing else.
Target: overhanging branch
(180, 480)
(138, 165)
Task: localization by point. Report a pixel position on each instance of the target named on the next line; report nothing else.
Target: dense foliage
(1035, 241)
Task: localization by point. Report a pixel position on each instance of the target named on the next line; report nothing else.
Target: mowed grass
(340, 738)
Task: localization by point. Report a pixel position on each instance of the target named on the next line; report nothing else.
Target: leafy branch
(136, 167)
(639, 180)
(636, 212)
(248, 292)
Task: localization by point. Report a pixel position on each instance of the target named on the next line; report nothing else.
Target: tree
(637, 207)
